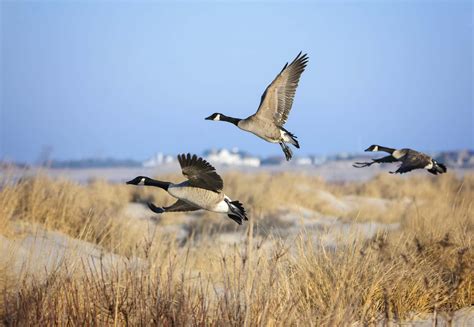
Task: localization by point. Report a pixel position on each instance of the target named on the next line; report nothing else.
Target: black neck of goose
(160, 184)
(385, 149)
(228, 119)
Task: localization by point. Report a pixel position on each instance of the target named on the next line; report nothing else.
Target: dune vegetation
(258, 277)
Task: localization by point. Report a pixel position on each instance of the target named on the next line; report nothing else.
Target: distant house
(157, 160)
(462, 158)
(232, 157)
(343, 156)
(319, 160)
(303, 161)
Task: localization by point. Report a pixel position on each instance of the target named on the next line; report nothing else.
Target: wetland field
(316, 251)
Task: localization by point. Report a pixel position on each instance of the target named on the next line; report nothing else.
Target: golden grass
(425, 266)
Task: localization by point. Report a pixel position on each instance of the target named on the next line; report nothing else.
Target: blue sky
(127, 79)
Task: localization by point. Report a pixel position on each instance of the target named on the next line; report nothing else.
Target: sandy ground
(50, 249)
(460, 318)
(42, 252)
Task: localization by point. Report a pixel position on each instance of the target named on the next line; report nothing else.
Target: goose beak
(134, 181)
(368, 149)
(208, 118)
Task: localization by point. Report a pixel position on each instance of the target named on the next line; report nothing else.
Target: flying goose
(409, 158)
(202, 190)
(275, 105)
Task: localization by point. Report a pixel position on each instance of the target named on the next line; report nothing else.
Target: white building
(319, 160)
(232, 158)
(157, 160)
(303, 161)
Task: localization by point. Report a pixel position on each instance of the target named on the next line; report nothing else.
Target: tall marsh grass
(425, 266)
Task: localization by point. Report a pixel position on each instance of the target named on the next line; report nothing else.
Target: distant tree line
(94, 163)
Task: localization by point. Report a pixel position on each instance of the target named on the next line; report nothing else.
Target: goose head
(373, 148)
(140, 180)
(215, 116)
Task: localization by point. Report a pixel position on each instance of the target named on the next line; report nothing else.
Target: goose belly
(268, 138)
(199, 197)
(266, 131)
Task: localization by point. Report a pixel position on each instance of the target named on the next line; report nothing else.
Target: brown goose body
(264, 129)
(202, 190)
(410, 159)
(275, 106)
(199, 197)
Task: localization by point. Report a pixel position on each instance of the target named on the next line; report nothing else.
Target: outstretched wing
(405, 168)
(412, 160)
(175, 207)
(386, 159)
(276, 101)
(200, 173)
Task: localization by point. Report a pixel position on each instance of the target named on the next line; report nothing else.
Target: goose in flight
(275, 105)
(202, 190)
(409, 158)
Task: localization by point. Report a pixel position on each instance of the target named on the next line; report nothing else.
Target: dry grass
(425, 266)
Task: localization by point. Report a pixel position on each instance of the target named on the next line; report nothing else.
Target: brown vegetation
(424, 266)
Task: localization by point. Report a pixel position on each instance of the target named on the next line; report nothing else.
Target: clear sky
(128, 79)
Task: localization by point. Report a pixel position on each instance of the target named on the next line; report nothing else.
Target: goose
(275, 105)
(409, 158)
(202, 190)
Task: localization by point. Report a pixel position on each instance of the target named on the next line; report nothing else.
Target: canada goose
(202, 190)
(409, 158)
(275, 105)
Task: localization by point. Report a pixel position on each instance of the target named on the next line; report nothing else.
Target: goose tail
(290, 138)
(438, 168)
(236, 212)
(441, 168)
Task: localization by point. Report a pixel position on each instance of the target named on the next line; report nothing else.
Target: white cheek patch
(218, 117)
(429, 166)
(376, 148)
(142, 182)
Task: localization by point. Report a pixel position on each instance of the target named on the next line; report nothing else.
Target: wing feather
(178, 206)
(277, 99)
(200, 173)
(413, 160)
